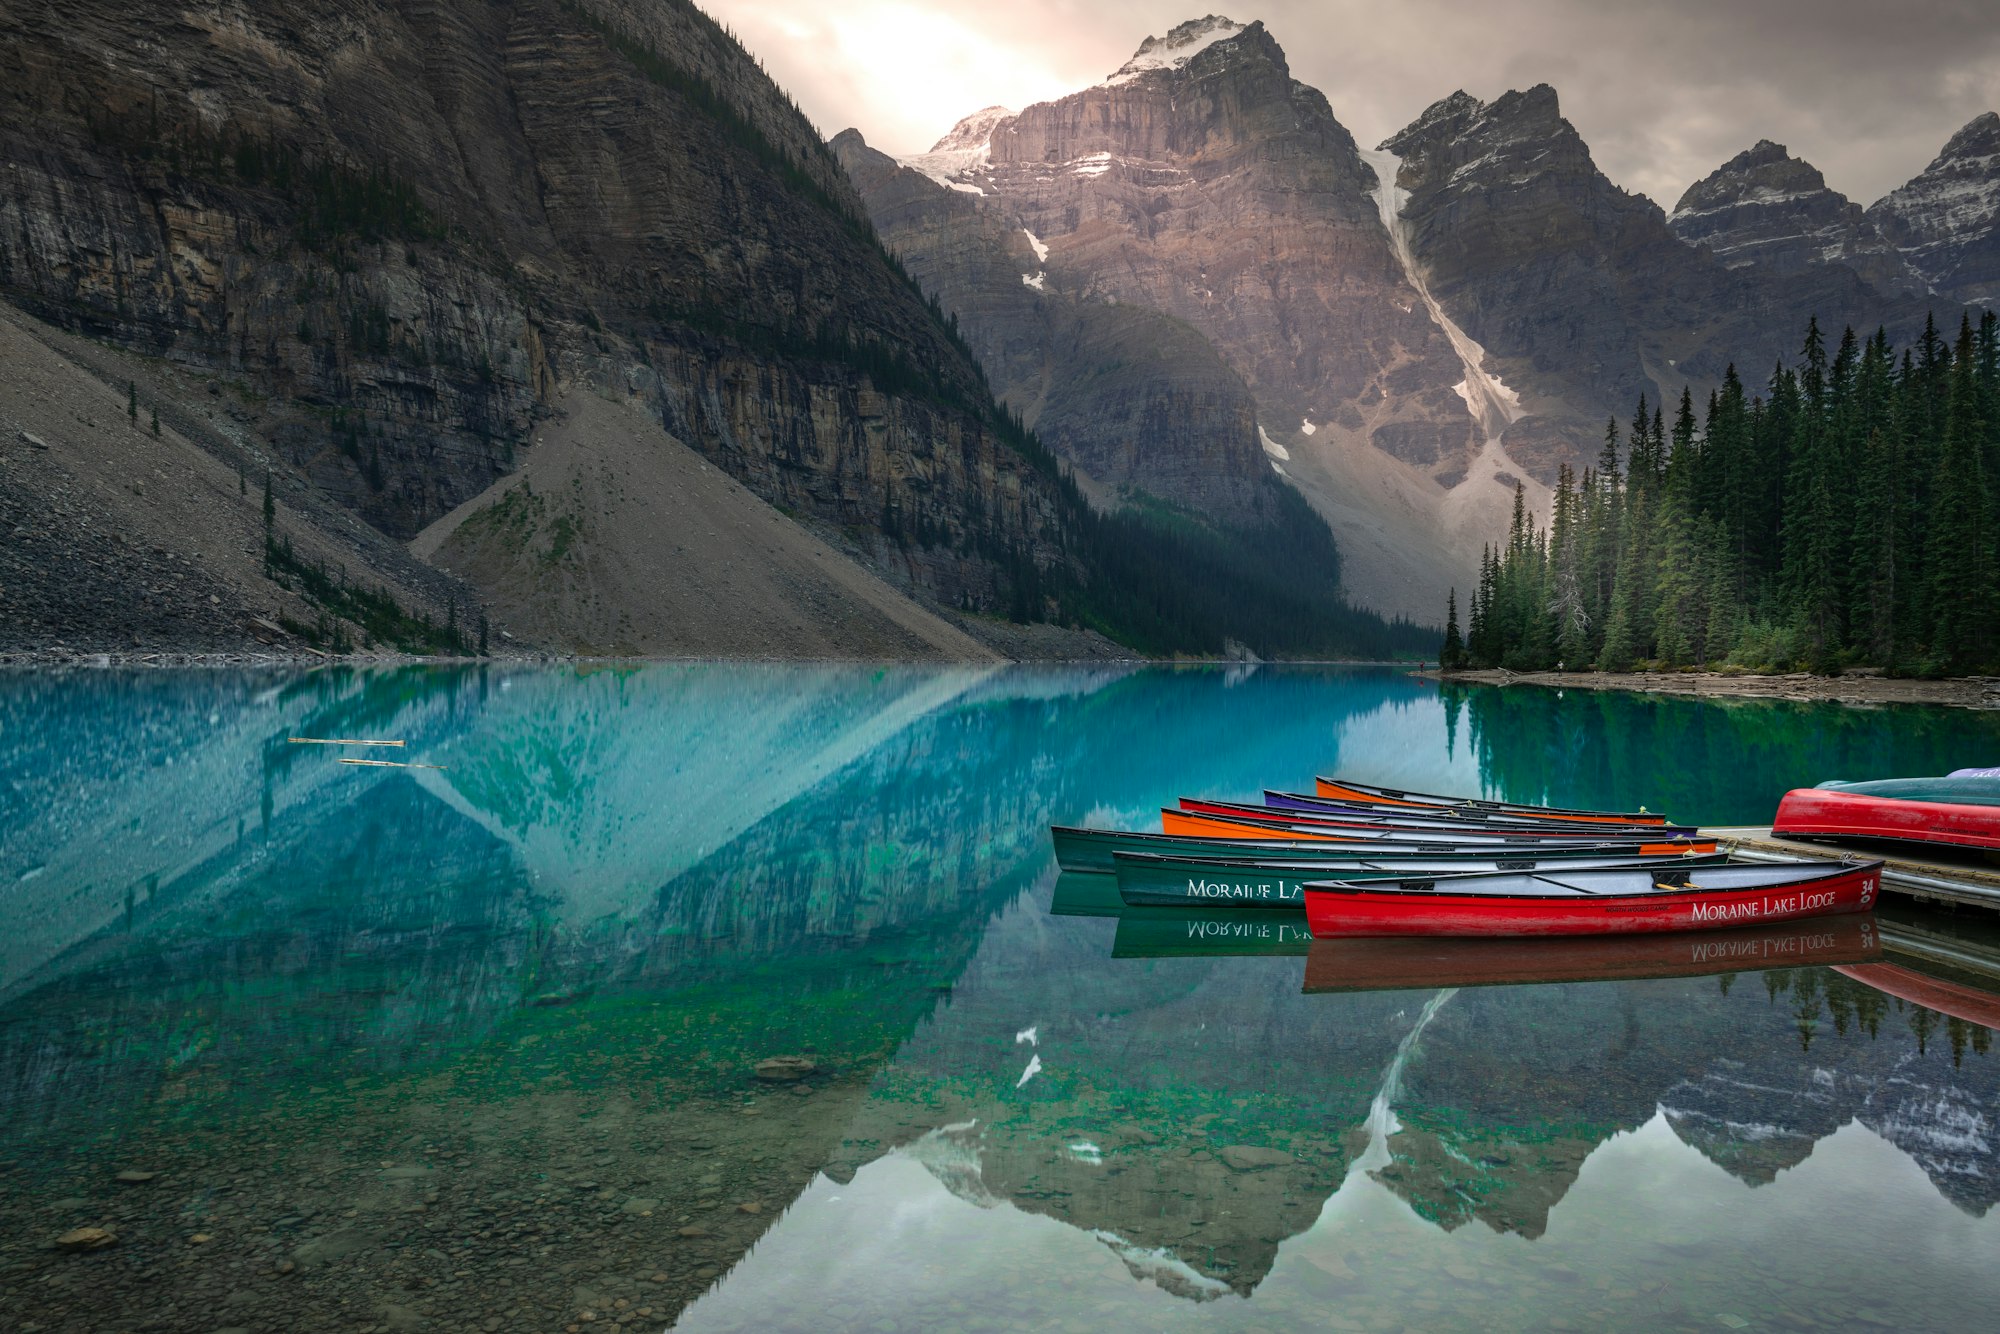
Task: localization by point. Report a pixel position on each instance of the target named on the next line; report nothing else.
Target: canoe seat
(1672, 879)
(1416, 886)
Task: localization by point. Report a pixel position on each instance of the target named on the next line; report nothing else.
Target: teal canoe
(1956, 789)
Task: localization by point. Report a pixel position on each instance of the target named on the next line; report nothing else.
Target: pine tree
(1451, 655)
(1854, 514)
(132, 400)
(156, 423)
(1814, 536)
(1567, 602)
(1960, 556)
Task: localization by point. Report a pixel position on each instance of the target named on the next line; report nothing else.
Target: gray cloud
(1665, 92)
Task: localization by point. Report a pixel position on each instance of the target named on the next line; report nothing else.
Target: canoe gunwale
(1415, 819)
(1834, 871)
(1398, 795)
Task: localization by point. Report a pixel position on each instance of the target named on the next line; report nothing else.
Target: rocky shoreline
(1966, 692)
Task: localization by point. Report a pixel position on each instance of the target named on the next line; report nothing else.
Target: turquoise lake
(476, 1046)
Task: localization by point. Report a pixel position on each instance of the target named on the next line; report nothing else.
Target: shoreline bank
(1965, 692)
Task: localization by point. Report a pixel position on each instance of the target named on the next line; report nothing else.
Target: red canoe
(1589, 903)
(1188, 823)
(1390, 964)
(1812, 812)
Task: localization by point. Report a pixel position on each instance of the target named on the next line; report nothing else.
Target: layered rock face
(1135, 399)
(405, 230)
(1946, 220)
(1766, 208)
(1202, 196)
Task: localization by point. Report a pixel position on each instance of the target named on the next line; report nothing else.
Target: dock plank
(1904, 871)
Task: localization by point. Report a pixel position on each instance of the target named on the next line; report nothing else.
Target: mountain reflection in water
(429, 1048)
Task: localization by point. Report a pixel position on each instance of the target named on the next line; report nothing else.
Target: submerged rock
(1249, 1158)
(785, 1069)
(86, 1239)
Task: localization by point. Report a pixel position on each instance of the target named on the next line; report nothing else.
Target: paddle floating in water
(339, 741)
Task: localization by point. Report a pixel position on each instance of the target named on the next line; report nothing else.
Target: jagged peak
(973, 132)
(1760, 154)
(1461, 107)
(1537, 103)
(1978, 138)
(1765, 173)
(1181, 44)
(1962, 164)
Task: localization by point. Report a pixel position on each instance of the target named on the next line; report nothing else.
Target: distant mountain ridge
(1936, 235)
(1202, 182)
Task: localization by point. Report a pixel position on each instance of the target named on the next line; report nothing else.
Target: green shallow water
(474, 1047)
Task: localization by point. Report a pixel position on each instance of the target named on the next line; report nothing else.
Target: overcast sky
(1664, 91)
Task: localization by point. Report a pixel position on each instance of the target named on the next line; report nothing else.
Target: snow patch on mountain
(1272, 447)
(1036, 244)
(1179, 46)
(962, 152)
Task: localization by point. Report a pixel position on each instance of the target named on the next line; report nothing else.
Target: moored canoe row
(1092, 851)
(1370, 861)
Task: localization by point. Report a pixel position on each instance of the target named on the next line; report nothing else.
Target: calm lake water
(474, 1047)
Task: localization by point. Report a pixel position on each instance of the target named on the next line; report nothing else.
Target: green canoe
(1147, 880)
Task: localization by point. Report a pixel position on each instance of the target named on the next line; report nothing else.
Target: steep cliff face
(1135, 399)
(1946, 219)
(408, 228)
(1203, 184)
(1768, 209)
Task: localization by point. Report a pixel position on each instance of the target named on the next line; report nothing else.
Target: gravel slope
(614, 538)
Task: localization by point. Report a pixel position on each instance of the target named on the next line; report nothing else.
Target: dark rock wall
(548, 192)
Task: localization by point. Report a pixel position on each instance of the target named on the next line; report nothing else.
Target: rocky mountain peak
(963, 151)
(1979, 139)
(1758, 154)
(1446, 116)
(1769, 209)
(1946, 219)
(1765, 173)
(1181, 44)
(974, 131)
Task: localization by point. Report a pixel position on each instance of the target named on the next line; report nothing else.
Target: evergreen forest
(1846, 515)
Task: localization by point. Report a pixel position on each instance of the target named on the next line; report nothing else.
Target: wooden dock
(1924, 874)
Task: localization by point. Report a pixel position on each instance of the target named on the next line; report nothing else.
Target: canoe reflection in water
(1169, 933)
(1387, 963)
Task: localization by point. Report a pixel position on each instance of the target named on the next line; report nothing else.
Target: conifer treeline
(1846, 516)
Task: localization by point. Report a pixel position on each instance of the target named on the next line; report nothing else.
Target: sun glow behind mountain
(1660, 92)
(907, 72)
